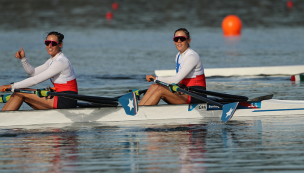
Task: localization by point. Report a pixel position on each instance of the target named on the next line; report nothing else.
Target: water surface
(112, 57)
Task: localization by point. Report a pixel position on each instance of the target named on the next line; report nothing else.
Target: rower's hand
(148, 77)
(3, 87)
(20, 54)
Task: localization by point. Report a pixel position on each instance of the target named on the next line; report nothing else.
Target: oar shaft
(104, 102)
(230, 96)
(76, 96)
(139, 92)
(22, 91)
(199, 97)
(191, 94)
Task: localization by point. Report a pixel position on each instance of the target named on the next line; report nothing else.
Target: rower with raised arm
(58, 68)
(189, 72)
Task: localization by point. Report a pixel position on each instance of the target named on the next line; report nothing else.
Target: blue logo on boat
(191, 107)
(129, 103)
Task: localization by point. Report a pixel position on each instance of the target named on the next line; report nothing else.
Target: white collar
(185, 51)
(56, 56)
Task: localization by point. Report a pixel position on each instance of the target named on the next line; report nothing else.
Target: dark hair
(184, 30)
(58, 35)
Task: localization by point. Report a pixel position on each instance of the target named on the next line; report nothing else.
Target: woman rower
(58, 69)
(189, 72)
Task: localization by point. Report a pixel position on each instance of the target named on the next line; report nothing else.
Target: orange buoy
(115, 6)
(232, 25)
(289, 4)
(109, 15)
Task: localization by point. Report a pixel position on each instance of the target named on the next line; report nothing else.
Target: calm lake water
(111, 57)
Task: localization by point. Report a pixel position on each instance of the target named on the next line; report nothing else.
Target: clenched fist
(20, 54)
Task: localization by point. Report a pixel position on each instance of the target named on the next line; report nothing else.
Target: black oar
(222, 95)
(228, 109)
(128, 101)
(92, 99)
(266, 97)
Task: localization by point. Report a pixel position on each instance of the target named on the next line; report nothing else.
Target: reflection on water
(182, 148)
(39, 151)
(204, 146)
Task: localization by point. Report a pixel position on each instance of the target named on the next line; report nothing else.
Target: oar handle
(6, 89)
(25, 91)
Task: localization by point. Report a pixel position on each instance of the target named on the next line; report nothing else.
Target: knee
(158, 89)
(154, 86)
(17, 94)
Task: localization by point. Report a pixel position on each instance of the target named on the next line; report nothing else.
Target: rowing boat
(244, 71)
(145, 113)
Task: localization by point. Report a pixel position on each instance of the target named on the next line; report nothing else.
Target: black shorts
(194, 100)
(64, 103)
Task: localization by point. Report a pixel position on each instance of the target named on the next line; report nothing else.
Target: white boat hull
(244, 71)
(107, 114)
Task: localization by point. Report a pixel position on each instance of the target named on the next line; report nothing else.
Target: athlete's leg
(157, 92)
(33, 100)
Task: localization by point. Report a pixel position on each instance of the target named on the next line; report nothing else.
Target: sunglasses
(181, 38)
(47, 42)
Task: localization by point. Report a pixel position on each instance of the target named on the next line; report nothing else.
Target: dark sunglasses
(181, 38)
(47, 42)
